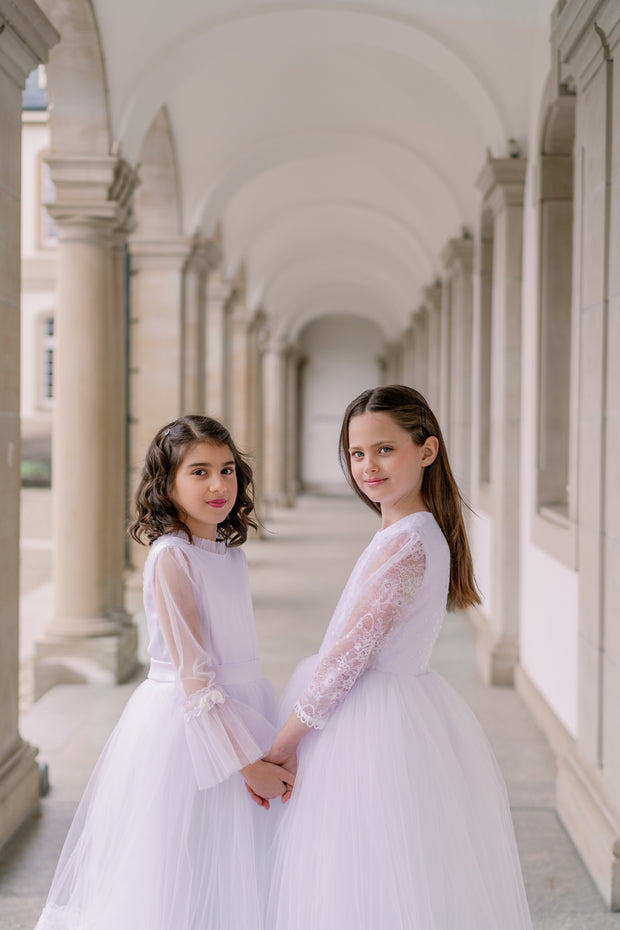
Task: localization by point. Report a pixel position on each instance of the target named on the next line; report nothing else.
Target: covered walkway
(297, 571)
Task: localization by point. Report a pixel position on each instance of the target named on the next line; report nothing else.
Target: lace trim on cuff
(313, 722)
(203, 700)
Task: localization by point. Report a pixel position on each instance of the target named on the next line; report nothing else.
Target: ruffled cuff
(314, 723)
(224, 735)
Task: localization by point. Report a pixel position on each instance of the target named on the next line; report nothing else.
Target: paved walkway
(297, 572)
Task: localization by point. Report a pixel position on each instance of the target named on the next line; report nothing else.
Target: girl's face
(205, 487)
(387, 465)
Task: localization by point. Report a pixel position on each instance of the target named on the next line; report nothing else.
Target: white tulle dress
(399, 818)
(166, 836)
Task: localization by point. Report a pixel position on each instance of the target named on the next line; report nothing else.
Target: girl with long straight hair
(399, 817)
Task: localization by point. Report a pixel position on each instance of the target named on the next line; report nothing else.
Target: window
(48, 343)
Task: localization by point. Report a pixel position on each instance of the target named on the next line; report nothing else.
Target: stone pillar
(457, 258)
(257, 342)
(240, 373)
(408, 356)
(25, 38)
(193, 327)
(91, 635)
(293, 423)
(586, 43)
(218, 293)
(393, 362)
(432, 303)
(274, 423)
(420, 352)
(154, 347)
(502, 182)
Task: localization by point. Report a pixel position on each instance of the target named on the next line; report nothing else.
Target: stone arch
(80, 117)
(156, 206)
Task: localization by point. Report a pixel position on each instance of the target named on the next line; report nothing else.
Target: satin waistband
(232, 673)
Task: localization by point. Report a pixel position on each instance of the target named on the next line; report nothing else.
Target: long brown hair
(440, 492)
(156, 512)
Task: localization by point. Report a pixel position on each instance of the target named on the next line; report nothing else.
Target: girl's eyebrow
(384, 442)
(209, 464)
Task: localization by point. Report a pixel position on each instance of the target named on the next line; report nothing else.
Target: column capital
(204, 254)
(27, 36)
(218, 290)
(457, 255)
(170, 254)
(92, 188)
(419, 316)
(502, 182)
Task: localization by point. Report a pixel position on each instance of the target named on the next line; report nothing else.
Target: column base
(109, 659)
(497, 655)
(19, 789)
(592, 823)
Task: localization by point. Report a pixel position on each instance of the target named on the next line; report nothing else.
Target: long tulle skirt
(399, 819)
(147, 850)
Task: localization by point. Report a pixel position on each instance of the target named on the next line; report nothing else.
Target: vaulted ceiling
(336, 144)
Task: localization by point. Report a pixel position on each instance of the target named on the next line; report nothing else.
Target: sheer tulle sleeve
(223, 734)
(375, 611)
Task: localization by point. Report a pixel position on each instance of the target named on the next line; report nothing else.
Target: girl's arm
(379, 605)
(223, 735)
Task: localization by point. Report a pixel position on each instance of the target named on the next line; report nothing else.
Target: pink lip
(218, 503)
(373, 481)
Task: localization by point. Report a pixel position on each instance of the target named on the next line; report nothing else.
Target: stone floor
(297, 571)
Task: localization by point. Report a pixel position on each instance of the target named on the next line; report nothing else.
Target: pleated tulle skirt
(147, 850)
(399, 818)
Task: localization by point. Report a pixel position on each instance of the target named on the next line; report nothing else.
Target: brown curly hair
(156, 512)
(440, 492)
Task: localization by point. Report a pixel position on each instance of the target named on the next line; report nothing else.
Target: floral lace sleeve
(374, 612)
(223, 734)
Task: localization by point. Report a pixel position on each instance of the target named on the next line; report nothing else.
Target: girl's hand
(266, 780)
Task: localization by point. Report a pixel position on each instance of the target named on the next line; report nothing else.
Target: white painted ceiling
(336, 143)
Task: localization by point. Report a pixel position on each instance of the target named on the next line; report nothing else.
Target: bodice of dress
(214, 579)
(202, 638)
(388, 617)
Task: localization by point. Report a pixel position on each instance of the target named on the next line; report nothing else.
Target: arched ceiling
(334, 144)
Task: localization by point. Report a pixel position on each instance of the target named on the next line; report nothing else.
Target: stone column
(25, 38)
(432, 303)
(193, 327)
(274, 423)
(586, 43)
(502, 182)
(91, 635)
(420, 352)
(408, 355)
(240, 323)
(154, 348)
(218, 293)
(293, 422)
(393, 362)
(257, 339)
(457, 258)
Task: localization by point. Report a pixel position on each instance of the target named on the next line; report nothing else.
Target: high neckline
(217, 546)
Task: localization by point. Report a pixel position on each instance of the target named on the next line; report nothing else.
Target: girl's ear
(429, 450)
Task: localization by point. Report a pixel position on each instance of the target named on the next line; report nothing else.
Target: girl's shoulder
(418, 530)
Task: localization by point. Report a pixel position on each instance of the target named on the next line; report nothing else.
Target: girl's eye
(357, 454)
(228, 471)
(199, 472)
(385, 449)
